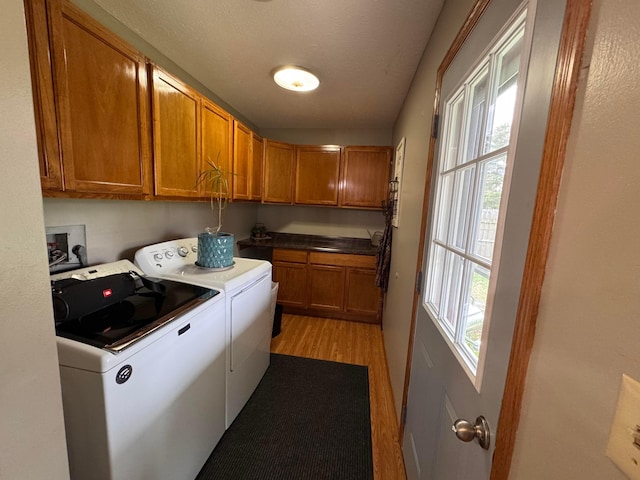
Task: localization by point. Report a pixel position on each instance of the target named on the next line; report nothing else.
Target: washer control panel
(168, 255)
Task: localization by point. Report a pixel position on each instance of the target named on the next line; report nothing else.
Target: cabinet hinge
(436, 125)
(403, 415)
(419, 281)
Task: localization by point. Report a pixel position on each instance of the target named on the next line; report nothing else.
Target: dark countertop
(295, 241)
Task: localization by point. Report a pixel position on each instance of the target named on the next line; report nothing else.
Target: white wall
(589, 320)
(115, 229)
(32, 443)
(414, 124)
(331, 222)
(329, 136)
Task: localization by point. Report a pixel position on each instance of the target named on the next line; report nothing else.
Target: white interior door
(494, 106)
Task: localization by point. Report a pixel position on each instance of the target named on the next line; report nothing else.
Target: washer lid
(118, 326)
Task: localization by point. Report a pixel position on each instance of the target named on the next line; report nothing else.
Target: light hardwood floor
(360, 344)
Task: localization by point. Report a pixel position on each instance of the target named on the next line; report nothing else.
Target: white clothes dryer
(247, 287)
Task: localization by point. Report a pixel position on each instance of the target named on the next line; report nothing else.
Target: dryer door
(249, 325)
(249, 320)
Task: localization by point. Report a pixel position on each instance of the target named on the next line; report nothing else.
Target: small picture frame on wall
(396, 183)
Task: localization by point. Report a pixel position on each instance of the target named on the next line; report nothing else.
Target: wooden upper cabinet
(176, 133)
(217, 145)
(365, 176)
(101, 101)
(247, 163)
(257, 165)
(43, 95)
(242, 159)
(278, 172)
(317, 174)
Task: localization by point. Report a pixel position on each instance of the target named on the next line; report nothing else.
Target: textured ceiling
(365, 53)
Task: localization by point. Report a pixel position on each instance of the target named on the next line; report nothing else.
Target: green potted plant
(215, 248)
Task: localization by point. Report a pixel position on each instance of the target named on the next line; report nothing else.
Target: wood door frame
(563, 94)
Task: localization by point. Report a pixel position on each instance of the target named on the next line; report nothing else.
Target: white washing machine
(142, 378)
(247, 287)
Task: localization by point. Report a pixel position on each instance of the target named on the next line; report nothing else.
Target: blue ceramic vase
(215, 250)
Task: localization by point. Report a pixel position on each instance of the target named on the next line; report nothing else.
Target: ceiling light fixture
(295, 78)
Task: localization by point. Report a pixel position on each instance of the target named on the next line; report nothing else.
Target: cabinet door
(242, 151)
(362, 294)
(317, 175)
(43, 95)
(176, 146)
(292, 279)
(278, 172)
(256, 168)
(101, 94)
(326, 287)
(365, 176)
(217, 131)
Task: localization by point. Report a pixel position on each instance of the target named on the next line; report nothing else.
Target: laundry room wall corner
(32, 440)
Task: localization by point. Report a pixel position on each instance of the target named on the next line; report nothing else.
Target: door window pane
(478, 91)
(475, 304)
(463, 191)
(453, 286)
(443, 207)
(486, 219)
(455, 116)
(501, 118)
(434, 292)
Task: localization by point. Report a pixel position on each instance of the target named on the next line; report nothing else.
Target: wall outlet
(624, 439)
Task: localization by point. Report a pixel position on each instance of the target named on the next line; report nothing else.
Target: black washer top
(132, 317)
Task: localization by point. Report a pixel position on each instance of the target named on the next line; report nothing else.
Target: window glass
(469, 187)
(463, 191)
(455, 115)
(451, 294)
(475, 303)
(478, 90)
(435, 287)
(486, 219)
(443, 207)
(499, 122)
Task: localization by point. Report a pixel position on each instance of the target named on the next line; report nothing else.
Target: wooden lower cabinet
(290, 271)
(326, 287)
(362, 295)
(330, 285)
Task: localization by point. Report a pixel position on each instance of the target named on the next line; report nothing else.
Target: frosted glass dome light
(297, 79)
